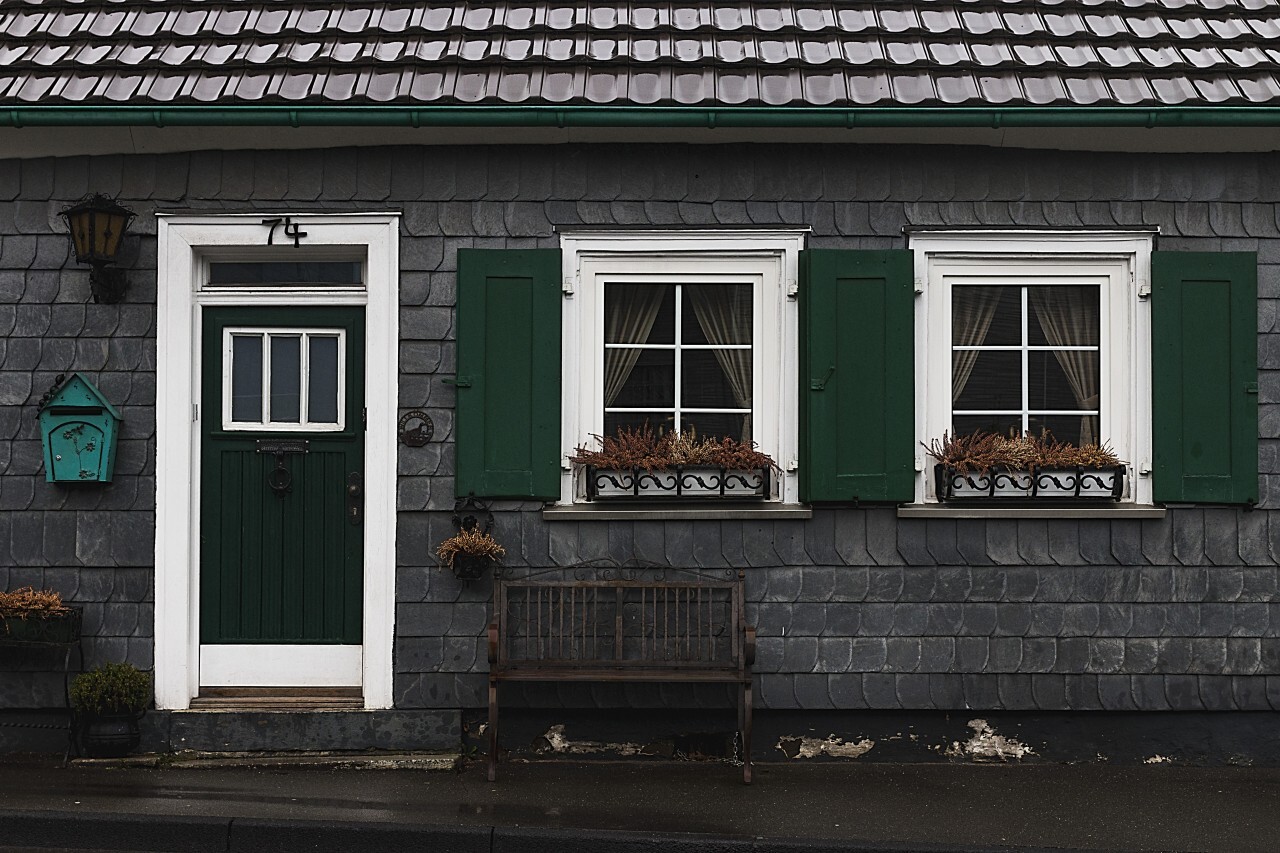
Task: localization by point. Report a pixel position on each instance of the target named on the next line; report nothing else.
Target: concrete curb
(176, 834)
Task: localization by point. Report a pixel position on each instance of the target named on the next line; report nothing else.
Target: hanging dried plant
(31, 602)
(473, 543)
(985, 451)
(642, 448)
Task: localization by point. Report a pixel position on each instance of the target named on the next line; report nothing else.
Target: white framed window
(682, 330)
(1027, 331)
(284, 379)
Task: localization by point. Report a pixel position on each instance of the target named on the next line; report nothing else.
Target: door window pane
(286, 379)
(246, 378)
(322, 380)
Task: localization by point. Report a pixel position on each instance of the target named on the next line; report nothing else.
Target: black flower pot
(469, 567)
(110, 735)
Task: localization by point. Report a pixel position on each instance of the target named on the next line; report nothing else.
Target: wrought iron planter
(677, 483)
(41, 629)
(1020, 486)
(469, 567)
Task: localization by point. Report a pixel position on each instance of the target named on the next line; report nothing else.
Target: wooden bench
(618, 625)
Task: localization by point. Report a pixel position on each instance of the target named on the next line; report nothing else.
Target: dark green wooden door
(281, 534)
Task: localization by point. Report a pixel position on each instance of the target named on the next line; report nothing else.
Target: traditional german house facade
(386, 258)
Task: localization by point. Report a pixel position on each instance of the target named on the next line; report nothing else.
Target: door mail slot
(78, 429)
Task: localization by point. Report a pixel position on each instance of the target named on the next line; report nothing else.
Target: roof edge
(636, 116)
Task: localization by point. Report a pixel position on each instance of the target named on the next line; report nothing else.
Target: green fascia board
(635, 116)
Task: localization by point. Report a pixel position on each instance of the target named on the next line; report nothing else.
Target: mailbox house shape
(79, 428)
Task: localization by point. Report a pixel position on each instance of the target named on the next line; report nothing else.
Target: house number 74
(291, 229)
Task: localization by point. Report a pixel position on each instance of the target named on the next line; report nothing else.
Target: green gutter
(635, 116)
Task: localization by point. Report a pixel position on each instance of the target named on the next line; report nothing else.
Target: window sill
(1116, 510)
(675, 512)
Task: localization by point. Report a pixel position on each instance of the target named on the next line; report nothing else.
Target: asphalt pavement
(619, 807)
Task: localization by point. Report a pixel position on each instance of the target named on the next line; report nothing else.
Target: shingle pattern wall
(856, 608)
(883, 53)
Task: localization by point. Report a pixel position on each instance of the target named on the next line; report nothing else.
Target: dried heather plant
(649, 451)
(27, 601)
(474, 543)
(983, 451)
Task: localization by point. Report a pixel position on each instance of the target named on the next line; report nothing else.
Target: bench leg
(493, 730)
(744, 729)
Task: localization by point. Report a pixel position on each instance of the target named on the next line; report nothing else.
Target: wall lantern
(97, 227)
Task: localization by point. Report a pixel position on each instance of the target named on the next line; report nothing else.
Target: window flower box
(31, 617)
(1066, 484)
(680, 482)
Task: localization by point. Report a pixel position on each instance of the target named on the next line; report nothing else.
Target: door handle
(355, 493)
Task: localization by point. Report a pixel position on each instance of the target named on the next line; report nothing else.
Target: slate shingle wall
(856, 608)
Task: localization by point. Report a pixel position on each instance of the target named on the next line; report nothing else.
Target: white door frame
(185, 245)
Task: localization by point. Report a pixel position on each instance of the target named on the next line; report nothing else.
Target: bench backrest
(620, 624)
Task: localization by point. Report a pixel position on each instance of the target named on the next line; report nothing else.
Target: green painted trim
(637, 116)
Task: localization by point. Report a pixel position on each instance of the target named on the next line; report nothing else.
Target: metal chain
(736, 760)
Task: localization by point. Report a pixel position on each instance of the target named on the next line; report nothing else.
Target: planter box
(1047, 484)
(677, 484)
(42, 629)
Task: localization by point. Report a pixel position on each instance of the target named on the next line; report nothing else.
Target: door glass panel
(322, 381)
(286, 379)
(246, 378)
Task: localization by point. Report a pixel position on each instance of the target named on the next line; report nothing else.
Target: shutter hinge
(919, 285)
(458, 382)
(195, 412)
(793, 464)
(1144, 289)
(1251, 387)
(567, 286)
(793, 288)
(919, 463)
(1144, 468)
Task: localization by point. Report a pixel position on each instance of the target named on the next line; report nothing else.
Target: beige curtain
(629, 312)
(972, 309)
(1069, 317)
(724, 314)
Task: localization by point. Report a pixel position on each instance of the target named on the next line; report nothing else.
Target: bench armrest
(493, 643)
(749, 645)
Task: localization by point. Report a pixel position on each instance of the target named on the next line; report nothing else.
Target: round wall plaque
(416, 428)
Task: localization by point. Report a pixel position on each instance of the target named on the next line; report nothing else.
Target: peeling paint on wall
(810, 747)
(558, 743)
(986, 745)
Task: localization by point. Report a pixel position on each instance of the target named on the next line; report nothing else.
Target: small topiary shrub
(110, 689)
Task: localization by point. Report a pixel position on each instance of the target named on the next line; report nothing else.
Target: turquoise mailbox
(79, 429)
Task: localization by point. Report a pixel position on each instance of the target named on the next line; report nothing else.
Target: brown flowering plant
(24, 602)
(986, 451)
(470, 543)
(644, 449)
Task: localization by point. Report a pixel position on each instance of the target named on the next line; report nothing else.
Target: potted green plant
(646, 465)
(983, 466)
(30, 616)
(108, 703)
(469, 552)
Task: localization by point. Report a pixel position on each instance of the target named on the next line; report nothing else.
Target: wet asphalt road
(1092, 807)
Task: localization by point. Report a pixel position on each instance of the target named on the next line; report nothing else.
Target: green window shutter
(508, 412)
(1204, 357)
(857, 376)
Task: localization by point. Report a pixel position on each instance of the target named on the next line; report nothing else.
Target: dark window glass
(639, 314)
(651, 382)
(286, 379)
(725, 308)
(322, 381)
(705, 383)
(995, 381)
(246, 378)
(285, 273)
